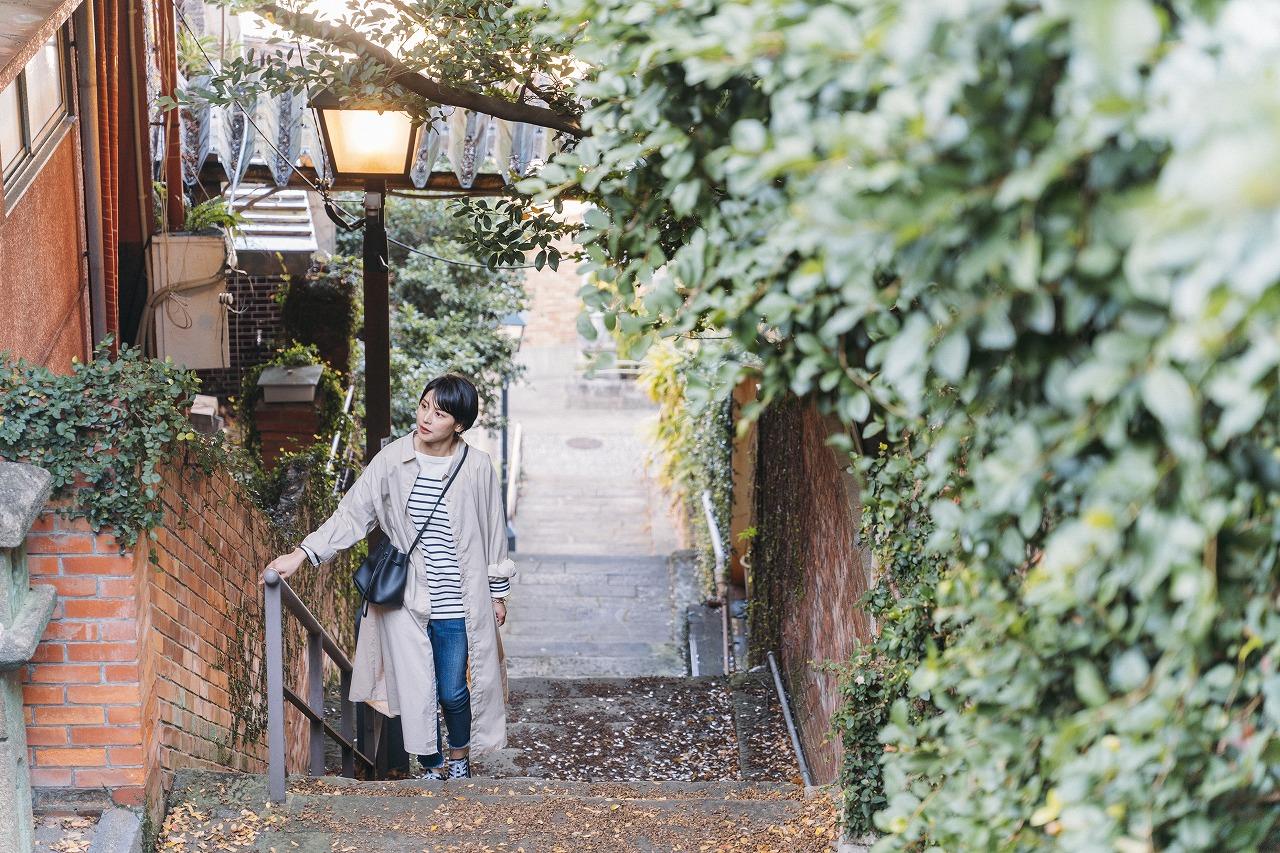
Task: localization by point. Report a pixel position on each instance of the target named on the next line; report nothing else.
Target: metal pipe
(348, 727)
(275, 689)
(722, 591)
(377, 320)
(90, 158)
(337, 435)
(791, 726)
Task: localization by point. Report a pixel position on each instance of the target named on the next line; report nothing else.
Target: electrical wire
(409, 248)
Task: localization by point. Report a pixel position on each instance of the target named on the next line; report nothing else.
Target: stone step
(588, 560)
(669, 663)
(209, 809)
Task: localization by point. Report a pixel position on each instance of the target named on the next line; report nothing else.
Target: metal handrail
(722, 588)
(277, 592)
(790, 721)
(338, 441)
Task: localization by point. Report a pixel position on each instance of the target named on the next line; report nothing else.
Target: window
(10, 128)
(31, 109)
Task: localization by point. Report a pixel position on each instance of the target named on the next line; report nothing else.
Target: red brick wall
(82, 692)
(808, 570)
(152, 661)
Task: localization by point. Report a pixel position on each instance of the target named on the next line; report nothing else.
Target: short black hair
(456, 395)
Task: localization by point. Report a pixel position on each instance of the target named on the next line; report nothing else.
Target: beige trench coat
(394, 672)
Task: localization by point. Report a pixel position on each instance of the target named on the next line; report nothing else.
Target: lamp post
(370, 141)
(512, 326)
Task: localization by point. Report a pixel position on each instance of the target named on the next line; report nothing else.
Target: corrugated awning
(25, 25)
(478, 150)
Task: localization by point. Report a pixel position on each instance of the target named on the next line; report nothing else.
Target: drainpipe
(90, 153)
(140, 153)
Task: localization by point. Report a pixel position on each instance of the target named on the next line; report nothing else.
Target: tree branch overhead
(420, 84)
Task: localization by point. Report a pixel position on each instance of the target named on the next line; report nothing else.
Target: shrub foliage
(1040, 239)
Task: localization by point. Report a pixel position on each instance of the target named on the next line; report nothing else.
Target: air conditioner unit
(186, 282)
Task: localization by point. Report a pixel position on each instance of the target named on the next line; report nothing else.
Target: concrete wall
(152, 662)
(808, 570)
(43, 293)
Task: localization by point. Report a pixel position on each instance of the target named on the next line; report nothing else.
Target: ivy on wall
(102, 431)
(694, 436)
(324, 309)
(296, 497)
(107, 431)
(330, 393)
(896, 528)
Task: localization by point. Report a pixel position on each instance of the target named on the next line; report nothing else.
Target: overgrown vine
(102, 431)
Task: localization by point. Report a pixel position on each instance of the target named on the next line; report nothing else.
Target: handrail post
(348, 728)
(315, 699)
(275, 688)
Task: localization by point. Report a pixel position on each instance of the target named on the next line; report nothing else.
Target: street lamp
(372, 141)
(511, 327)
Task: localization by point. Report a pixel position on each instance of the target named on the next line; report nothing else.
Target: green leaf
(1168, 396)
(1088, 684)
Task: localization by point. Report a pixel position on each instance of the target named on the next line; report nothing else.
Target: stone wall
(807, 569)
(152, 662)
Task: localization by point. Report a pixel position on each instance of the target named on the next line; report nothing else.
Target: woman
(455, 597)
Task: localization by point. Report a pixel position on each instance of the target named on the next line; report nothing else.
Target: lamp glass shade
(368, 142)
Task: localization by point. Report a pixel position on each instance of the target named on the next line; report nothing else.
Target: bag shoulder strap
(452, 477)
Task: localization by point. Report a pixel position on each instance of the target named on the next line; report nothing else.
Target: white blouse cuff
(505, 569)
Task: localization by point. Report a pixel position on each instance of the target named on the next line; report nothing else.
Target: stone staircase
(224, 811)
(600, 764)
(580, 615)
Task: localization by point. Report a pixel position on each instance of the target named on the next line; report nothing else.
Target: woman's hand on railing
(284, 565)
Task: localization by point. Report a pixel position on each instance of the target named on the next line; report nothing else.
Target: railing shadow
(279, 596)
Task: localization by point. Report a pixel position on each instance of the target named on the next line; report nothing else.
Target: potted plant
(186, 272)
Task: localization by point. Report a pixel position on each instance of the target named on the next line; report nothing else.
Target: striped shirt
(439, 555)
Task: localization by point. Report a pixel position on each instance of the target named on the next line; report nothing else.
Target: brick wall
(808, 569)
(83, 691)
(255, 331)
(553, 299)
(152, 661)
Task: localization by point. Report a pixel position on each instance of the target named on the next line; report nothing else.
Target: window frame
(38, 144)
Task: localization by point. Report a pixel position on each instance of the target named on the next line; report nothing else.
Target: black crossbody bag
(382, 576)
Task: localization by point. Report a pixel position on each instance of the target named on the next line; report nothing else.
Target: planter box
(290, 384)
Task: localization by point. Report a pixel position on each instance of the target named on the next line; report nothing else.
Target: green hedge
(694, 434)
(1039, 238)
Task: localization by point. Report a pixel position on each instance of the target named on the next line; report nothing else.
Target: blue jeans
(449, 651)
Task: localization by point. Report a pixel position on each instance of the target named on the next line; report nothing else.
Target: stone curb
(118, 831)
